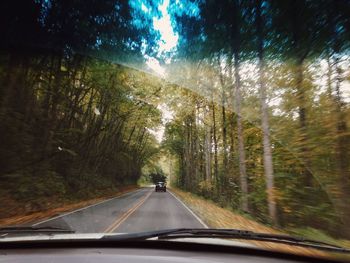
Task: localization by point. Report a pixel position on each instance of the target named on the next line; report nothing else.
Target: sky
(162, 14)
(162, 22)
(166, 44)
(168, 37)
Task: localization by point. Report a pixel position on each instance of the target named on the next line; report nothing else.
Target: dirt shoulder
(62, 208)
(217, 217)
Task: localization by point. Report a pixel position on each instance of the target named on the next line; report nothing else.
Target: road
(137, 211)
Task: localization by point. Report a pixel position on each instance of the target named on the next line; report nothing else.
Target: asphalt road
(141, 210)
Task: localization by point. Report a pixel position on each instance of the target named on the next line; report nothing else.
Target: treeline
(72, 127)
(266, 129)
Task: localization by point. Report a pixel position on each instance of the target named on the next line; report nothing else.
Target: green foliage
(34, 188)
(76, 133)
(73, 126)
(157, 177)
(206, 189)
(297, 53)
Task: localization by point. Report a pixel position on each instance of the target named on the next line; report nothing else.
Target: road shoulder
(217, 217)
(192, 213)
(49, 214)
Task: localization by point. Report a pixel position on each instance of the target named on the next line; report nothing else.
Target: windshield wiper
(229, 234)
(5, 231)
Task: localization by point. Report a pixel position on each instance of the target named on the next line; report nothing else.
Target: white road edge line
(80, 209)
(200, 220)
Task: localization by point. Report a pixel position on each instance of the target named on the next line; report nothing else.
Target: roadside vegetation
(73, 126)
(53, 207)
(225, 217)
(266, 129)
(253, 100)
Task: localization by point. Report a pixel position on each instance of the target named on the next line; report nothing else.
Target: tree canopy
(251, 107)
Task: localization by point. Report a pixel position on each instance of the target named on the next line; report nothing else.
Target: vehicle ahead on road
(160, 187)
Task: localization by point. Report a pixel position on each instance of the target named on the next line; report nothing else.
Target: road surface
(137, 211)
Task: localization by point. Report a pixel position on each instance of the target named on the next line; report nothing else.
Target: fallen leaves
(37, 216)
(217, 217)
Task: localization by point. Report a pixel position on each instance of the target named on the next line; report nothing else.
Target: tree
(268, 165)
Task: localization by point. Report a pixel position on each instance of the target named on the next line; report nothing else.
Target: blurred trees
(259, 98)
(274, 74)
(157, 177)
(72, 126)
(86, 134)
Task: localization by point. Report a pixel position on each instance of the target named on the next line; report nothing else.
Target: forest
(73, 125)
(257, 94)
(265, 128)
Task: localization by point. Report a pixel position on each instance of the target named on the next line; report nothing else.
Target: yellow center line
(128, 213)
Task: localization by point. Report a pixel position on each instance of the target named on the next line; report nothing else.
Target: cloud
(169, 38)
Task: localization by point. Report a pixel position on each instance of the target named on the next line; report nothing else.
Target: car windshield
(238, 110)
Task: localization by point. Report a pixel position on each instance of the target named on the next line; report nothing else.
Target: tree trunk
(268, 165)
(241, 150)
(301, 52)
(224, 125)
(207, 150)
(216, 169)
(236, 47)
(187, 155)
(342, 151)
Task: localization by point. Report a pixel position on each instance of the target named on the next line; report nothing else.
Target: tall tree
(268, 165)
(336, 28)
(236, 50)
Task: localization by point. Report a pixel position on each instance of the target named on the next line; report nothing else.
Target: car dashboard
(137, 252)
